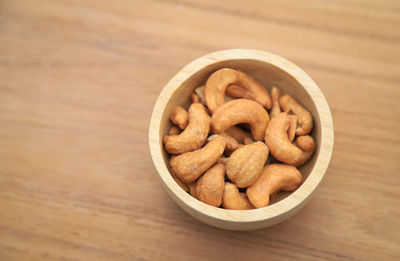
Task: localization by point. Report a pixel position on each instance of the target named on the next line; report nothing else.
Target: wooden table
(78, 81)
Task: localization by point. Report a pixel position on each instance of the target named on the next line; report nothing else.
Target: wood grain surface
(78, 81)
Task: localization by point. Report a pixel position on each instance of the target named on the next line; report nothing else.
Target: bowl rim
(285, 205)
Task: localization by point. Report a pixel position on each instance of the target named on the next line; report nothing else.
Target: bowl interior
(268, 75)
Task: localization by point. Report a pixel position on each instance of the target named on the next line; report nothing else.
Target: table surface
(78, 81)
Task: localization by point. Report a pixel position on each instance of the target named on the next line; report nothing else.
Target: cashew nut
(274, 177)
(238, 134)
(276, 138)
(241, 111)
(218, 82)
(174, 131)
(194, 98)
(307, 146)
(233, 199)
(237, 91)
(292, 127)
(223, 160)
(190, 165)
(231, 143)
(248, 140)
(184, 186)
(276, 108)
(179, 117)
(304, 117)
(193, 189)
(194, 135)
(245, 164)
(210, 185)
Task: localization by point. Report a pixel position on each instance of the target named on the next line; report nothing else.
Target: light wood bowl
(269, 70)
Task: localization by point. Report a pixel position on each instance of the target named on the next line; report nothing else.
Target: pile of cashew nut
(219, 148)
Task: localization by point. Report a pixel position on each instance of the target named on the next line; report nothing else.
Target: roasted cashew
(210, 185)
(240, 92)
(184, 186)
(179, 117)
(218, 82)
(248, 141)
(233, 199)
(238, 134)
(174, 131)
(274, 177)
(194, 135)
(231, 143)
(276, 108)
(304, 117)
(276, 138)
(241, 111)
(193, 189)
(194, 98)
(223, 160)
(307, 146)
(190, 165)
(245, 164)
(292, 127)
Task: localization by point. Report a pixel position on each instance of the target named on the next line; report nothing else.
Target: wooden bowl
(269, 70)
